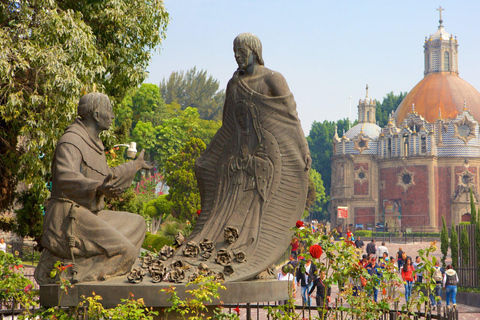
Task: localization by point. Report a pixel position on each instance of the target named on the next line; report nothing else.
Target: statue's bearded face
(244, 56)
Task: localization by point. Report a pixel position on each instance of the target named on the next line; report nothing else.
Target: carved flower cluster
(230, 234)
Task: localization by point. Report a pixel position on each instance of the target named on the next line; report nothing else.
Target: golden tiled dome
(445, 91)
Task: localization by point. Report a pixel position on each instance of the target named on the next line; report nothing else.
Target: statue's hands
(141, 163)
(308, 162)
(107, 189)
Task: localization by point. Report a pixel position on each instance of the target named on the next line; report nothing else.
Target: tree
(180, 177)
(165, 140)
(317, 209)
(444, 241)
(194, 89)
(473, 210)
(464, 246)
(157, 209)
(454, 247)
(52, 53)
(320, 142)
(389, 104)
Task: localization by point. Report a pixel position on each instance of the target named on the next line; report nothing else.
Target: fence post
(249, 312)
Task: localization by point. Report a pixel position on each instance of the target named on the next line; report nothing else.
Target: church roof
(369, 129)
(441, 34)
(444, 92)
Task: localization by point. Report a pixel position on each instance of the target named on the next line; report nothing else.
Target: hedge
(155, 242)
(371, 234)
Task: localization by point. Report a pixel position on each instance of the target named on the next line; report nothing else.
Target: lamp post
(131, 149)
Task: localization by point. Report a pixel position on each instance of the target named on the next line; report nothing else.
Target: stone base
(115, 289)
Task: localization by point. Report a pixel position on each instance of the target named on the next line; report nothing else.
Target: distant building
(423, 163)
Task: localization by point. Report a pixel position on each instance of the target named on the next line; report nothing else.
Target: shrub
(454, 247)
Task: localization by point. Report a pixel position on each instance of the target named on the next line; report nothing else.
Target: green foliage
(155, 242)
(444, 241)
(180, 177)
(29, 220)
(320, 142)
(464, 223)
(169, 229)
(194, 89)
(127, 201)
(316, 208)
(158, 207)
(464, 246)
(389, 104)
(166, 139)
(52, 53)
(194, 308)
(454, 247)
(15, 286)
(473, 210)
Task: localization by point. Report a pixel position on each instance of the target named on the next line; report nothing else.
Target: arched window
(446, 61)
(424, 145)
(389, 148)
(368, 117)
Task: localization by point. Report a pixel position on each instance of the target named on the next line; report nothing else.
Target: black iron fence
(257, 311)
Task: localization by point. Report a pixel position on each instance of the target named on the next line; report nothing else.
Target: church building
(423, 163)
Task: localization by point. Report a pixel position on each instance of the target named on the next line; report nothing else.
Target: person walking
(401, 258)
(381, 249)
(450, 280)
(285, 275)
(438, 274)
(323, 292)
(305, 280)
(417, 265)
(408, 277)
(371, 248)
(374, 269)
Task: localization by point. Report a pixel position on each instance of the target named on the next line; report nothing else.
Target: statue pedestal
(115, 289)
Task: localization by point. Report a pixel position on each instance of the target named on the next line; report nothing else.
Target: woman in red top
(408, 276)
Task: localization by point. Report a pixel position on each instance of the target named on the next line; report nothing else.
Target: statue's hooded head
(91, 102)
(251, 41)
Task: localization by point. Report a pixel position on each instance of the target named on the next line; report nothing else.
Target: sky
(328, 51)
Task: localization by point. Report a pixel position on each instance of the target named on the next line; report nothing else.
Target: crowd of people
(374, 260)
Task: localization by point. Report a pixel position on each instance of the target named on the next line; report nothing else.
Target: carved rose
(176, 275)
(157, 272)
(230, 234)
(206, 255)
(227, 270)
(192, 277)
(220, 276)
(202, 268)
(147, 260)
(191, 249)
(224, 257)
(177, 264)
(240, 256)
(206, 245)
(166, 253)
(136, 275)
(179, 239)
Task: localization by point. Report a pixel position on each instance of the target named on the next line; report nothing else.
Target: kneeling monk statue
(76, 230)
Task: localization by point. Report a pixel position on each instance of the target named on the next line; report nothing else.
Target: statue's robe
(106, 243)
(264, 195)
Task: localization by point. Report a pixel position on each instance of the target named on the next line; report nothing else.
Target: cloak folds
(252, 177)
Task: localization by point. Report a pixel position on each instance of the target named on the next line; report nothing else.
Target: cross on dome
(440, 9)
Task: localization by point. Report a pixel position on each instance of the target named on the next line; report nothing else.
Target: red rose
(199, 211)
(237, 310)
(316, 251)
(299, 224)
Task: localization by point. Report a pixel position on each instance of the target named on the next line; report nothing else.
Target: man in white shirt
(381, 249)
(3, 245)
